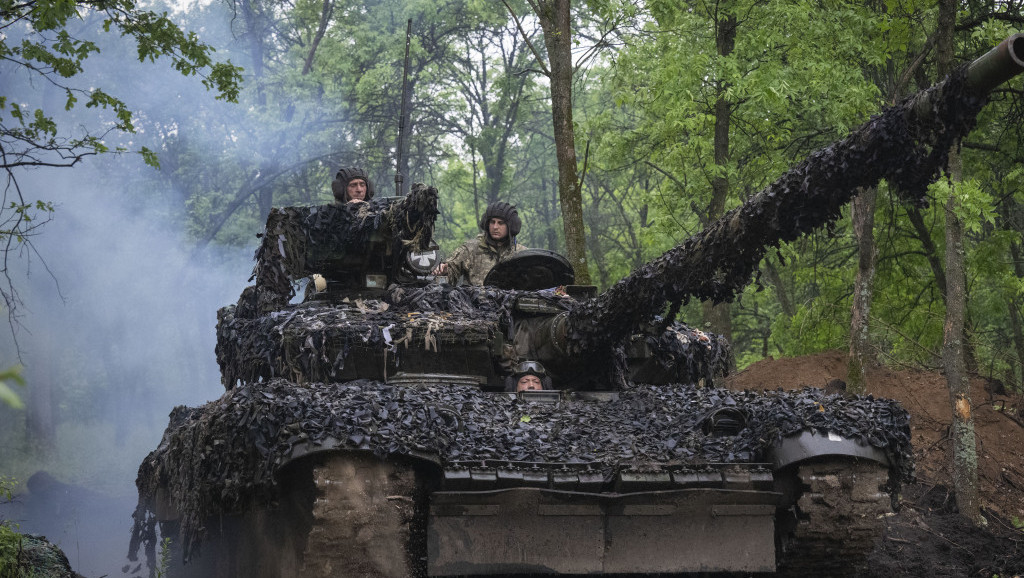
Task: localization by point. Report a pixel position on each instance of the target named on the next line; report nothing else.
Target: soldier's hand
(319, 282)
(441, 269)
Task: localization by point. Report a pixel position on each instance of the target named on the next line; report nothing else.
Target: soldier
(529, 376)
(474, 259)
(351, 185)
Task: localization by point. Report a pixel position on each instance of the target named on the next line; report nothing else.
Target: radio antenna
(401, 118)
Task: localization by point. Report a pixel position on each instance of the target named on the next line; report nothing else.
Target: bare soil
(927, 536)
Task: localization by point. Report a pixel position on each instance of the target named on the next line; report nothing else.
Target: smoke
(118, 328)
(118, 319)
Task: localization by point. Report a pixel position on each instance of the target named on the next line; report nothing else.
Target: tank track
(836, 519)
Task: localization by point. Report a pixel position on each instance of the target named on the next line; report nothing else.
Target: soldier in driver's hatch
(528, 376)
(474, 259)
(351, 185)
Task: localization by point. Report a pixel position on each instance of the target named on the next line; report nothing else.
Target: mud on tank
(365, 430)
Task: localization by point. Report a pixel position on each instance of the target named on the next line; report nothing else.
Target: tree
(742, 90)
(862, 210)
(489, 74)
(716, 316)
(965, 451)
(554, 18)
(862, 215)
(46, 44)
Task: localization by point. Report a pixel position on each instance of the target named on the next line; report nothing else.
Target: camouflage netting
(216, 458)
(295, 235)
(311, 341)
(698, 355)
(904, 145)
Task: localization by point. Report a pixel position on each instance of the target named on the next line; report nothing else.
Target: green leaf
(7, 395)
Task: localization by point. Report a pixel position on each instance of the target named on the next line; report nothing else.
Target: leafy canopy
(43, 47)
(37, 38)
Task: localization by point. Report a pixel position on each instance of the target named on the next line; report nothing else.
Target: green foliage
(9, 397)
(10, 539)
(815, 327)
(7, 486)
(163, 565)
(47, 50)
(10, 549)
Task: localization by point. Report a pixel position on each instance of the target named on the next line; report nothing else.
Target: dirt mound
(927, 537)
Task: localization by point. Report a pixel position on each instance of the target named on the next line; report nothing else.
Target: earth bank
(927, 537)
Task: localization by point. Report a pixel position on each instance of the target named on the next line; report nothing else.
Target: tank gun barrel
(908, 144)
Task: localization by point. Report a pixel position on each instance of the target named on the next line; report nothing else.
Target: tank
(367, 429)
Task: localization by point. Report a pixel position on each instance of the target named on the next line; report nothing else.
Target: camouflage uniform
(475, 258)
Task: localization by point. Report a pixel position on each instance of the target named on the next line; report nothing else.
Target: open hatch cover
(531, 270)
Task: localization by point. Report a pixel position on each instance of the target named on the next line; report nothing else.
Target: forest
(144, 144)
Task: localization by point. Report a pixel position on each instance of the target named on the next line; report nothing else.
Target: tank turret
(358, 248)
(365, 431)
(380, 316)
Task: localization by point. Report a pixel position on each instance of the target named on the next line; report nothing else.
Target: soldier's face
(528, 383)
(497, 228)
(356, 190)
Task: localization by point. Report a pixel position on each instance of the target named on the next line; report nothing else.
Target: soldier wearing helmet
(528, 376)
(475, 258)
(351, 185)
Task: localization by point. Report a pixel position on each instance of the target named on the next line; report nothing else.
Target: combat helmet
(341, 179)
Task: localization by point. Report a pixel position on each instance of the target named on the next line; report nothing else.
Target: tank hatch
(531, 270)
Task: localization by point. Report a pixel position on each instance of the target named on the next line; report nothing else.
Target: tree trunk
(717, 317)
(40, 419)
(554, 19)
(552, 230)
(935, 263)
(862, 214)
(931, 252)
(772, 274)
(965, 452)
(254, 34)
(1016, 304)
(965, 455)
(325, 19)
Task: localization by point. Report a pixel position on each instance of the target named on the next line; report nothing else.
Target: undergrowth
(10, 540)
(10, 548)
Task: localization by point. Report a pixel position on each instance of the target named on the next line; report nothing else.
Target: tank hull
(368, 479)
(535, 531)
(348, 514)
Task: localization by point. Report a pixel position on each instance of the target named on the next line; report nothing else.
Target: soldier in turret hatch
(351, 185)
(475, 258)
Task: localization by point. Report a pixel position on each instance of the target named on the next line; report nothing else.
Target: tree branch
(533, 49)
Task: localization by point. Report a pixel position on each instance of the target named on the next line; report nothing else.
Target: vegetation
(8, 396)
(10, 539)
(10, 547)
(46, 45)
